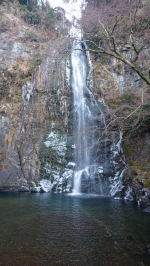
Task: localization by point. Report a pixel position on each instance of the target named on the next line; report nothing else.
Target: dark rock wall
(137, 153)
(34, 97)
(112, 79)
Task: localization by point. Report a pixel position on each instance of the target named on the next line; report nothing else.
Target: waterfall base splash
(77, 182)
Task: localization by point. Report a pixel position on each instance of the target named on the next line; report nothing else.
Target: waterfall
(81, 111)
(94, 161)
(88, 119)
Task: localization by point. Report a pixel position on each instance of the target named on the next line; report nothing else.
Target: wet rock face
(33, 95)
(21, 148)
(141, 195)
(95, 185)
(52, 157)
(112, 78)
(138, 173)
(10, 170)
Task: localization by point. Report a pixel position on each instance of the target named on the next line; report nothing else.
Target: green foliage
(4, 85)
(41, 94)
(20, 76)
(142, 173)
(128, 98)
(146, 107)
(23, 80)
(146, 181)
(19, 94)
(1, 1)
(50, 18)
(35, 14)
(96, 38)
(30, 71)
(37, 62)
(30, 4)
(127, 148)
(3, 23)
(147, 122)
(31, 17)
(30, 36)
(3, 26)
(144, 23)
(15, 67)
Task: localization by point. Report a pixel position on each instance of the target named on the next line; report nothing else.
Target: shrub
(30, 36)
(31, 17)
(50, 18)
(30, 4)
(3, 26)
(34, 14)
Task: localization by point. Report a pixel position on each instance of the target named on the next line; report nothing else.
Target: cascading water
(89, 118)
(81, 111)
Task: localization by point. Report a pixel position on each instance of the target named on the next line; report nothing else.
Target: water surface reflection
(56, 229)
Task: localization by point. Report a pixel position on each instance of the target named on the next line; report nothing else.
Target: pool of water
(56, 229)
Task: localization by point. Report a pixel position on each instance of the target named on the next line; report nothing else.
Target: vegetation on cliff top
(37, 13)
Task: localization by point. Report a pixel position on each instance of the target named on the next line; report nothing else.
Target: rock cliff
(35, 100)
(121, 89)
(36, 130)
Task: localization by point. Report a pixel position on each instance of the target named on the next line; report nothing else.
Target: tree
(50, 17)
(31, 4)
(120, 29)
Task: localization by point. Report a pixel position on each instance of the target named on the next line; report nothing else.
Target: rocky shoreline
(140, 195)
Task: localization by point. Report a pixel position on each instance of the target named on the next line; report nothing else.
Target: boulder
(35, 189)
(147, 210)
(23, 189)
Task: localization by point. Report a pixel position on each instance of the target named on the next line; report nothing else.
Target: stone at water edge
(23, 189)
(147, 210)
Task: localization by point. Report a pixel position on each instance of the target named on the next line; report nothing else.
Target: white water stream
(82, 111)
(86, 112)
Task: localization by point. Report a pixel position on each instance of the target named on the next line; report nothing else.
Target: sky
(72, 8)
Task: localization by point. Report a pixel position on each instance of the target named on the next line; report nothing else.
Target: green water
(56, 229)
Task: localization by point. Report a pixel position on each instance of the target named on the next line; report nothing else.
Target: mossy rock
(146, 182)
(127, 148)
